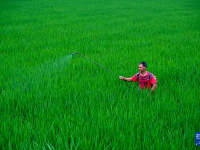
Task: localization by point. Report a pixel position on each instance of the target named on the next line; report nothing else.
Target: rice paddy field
(50, 99)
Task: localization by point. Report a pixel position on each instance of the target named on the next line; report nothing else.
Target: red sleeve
(135, 78)
(153, 80)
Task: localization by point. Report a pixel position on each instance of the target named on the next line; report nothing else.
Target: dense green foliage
(50, 100)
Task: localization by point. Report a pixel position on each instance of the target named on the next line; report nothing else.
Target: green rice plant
(50, 99)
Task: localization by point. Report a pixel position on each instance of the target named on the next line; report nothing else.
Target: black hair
(144, 64)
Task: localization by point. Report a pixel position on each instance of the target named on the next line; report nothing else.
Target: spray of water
(58, 65)
(44, 75)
